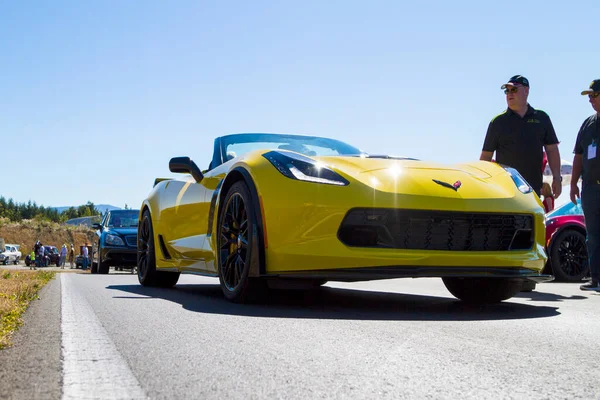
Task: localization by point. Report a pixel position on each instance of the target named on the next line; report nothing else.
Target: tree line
(17, 212)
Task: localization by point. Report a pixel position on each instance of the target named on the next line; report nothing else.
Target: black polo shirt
(519, 142)
(589, 134)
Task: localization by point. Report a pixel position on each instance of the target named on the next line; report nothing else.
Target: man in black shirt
(519, 136)
(586, 164)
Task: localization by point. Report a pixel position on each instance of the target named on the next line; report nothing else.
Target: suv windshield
(123, 219)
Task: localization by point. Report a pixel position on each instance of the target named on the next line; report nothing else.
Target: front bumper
(119, 256)
(302, 230)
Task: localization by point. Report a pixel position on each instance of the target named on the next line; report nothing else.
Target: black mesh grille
(131, 241)
(436, 230)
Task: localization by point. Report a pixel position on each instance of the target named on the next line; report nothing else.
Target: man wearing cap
(586, 164)
(519, 136)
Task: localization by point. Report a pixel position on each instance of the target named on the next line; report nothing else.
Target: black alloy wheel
(233, 241)
(146, 257)
(145, 249)
(569, 256)
(235, 245)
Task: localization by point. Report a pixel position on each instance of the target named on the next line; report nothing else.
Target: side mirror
(185, 166)
(97, 226)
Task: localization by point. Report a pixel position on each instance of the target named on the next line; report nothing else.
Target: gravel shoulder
(31, 367)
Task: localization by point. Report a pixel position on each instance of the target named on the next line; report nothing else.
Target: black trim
(415, 271)
(213, 203)
(163, 247)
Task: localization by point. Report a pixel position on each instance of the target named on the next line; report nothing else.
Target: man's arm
(553, 155)
(486, 155)
(490, 143)
(575, 175)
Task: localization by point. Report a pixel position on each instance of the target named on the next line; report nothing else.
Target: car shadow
(337, 303)
(544, 296)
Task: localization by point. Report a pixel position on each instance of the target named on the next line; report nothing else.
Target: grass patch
(17, 289)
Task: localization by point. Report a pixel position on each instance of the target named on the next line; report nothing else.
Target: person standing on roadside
(586, 164)
(72, 256)
(520, 135)
(63, 256)
(85, 254)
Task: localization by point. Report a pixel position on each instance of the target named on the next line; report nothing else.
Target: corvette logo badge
(454, 186)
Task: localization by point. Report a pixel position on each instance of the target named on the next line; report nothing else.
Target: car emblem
(454, 186)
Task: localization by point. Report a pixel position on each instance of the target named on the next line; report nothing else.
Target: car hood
(122, 231)
(475, 180)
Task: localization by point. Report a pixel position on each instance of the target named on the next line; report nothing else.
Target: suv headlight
(302, 168)
(519, 181)
(114, 240)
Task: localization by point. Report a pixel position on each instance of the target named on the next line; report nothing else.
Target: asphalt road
(92, 336)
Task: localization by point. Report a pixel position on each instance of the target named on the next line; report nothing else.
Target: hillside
(100, 207)
(27, 232)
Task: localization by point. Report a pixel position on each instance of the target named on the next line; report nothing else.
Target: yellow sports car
(277, 210)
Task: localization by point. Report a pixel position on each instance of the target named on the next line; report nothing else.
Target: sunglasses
(594, 95)
(511, 90)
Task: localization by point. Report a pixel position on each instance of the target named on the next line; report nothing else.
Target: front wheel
(146, 257)
(237, 222)
(569, 257)
(483, 290)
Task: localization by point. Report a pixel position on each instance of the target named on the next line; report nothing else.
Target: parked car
(79, 257)
(565, 243)
(51, 256)
(302, 210)
(117, 241)
(11, 253)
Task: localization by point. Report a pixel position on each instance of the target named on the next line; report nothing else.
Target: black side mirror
(185, 166)
(96, 225)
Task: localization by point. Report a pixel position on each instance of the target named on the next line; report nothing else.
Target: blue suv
(117, 241)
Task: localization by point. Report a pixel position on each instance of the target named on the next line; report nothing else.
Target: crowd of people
(523, 138)
(40, 256)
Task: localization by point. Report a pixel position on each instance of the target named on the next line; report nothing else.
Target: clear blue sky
(96, 97)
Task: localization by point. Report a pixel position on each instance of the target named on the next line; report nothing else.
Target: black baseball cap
(517, 80)
(594, 87)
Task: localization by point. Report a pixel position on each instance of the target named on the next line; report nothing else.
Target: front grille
(436, 230)
(131, 240)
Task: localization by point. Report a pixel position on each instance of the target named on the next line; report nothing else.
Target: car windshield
(240, 144)
(124, 219)
(566, 209)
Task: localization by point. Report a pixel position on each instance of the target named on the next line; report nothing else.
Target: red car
(565, 243)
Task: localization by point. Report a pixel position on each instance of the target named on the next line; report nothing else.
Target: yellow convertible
(277, 210)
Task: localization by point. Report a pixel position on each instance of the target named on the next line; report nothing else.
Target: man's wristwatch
(557, 177)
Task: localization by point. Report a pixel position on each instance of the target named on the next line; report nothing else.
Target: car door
(183, 223)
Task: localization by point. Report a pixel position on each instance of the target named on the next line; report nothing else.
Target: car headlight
(302, 168)
(519, 181)
(114, 240)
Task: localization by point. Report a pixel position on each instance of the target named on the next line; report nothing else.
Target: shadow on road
(543, 296)
(335, 303)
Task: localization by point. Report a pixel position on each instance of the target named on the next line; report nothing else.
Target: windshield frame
(343, 148)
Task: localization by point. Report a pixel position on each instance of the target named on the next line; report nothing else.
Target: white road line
(93, 368)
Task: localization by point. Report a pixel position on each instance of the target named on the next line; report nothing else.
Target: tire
(94, 269)
(237, 222)
(146, 257)
(103, 266)
(17, 261)
(483, 290)
(568, 256)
